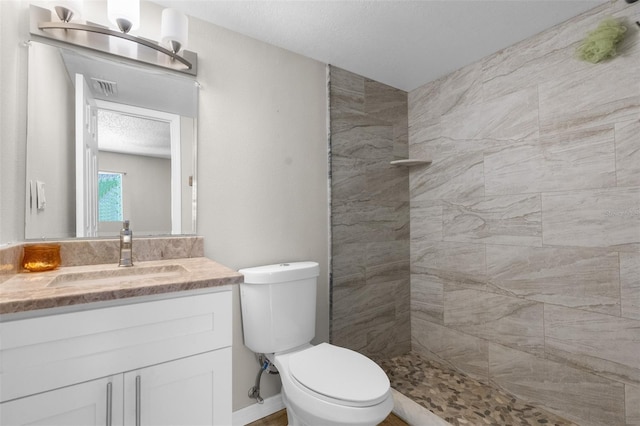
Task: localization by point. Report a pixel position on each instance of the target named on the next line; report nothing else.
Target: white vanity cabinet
(161, 362)
(93, 403)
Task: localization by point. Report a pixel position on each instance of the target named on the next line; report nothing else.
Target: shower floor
(459, 399)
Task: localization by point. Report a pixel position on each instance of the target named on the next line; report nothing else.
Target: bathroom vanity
(149, 348)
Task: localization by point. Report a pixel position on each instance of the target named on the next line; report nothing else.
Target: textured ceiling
(404, 44)
(124, 133)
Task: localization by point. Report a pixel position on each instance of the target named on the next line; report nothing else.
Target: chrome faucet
(126, 245)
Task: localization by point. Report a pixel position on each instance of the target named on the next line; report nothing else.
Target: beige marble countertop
(67, 286)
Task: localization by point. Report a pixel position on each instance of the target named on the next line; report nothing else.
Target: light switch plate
(40, 197)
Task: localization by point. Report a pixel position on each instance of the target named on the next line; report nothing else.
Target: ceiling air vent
(105, 87)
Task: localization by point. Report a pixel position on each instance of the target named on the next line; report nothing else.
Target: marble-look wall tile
(387, 261)
(366, 304)
(605, 344)
(509, 219)
(348, 260)
(423, 151)
(393, 338)
(427, 298)
(363, 139)
(632, 405)
(385, 182)
(349, 180)
(549, 54)
(457, 89)
(533, 121)
(384, 102)
(630, 284)
(628, 152)
(347, 91)
(365, 319)
(422, 134)
(585, 398)
(530, 62)
(352, 337)
(402, 324)
(419, 102)
(511, 117)
(510, 321)
(589, 98)
(370, 294)
(580, 160)
(387, 340)
(456, 173)
(574, 277)
(401, 136)
(466, 353)
(365, 222)
(593, 218)
(426, 220)
(447, 262)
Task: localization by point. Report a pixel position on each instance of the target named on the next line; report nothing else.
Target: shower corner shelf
(410, 162)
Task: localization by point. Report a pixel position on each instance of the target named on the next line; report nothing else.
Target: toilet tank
(278, 305)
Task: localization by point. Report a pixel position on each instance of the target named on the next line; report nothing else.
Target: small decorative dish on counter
(41, 257)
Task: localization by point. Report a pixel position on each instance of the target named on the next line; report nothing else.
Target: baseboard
(257, 411)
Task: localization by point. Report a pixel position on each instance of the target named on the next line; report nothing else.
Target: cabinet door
(98, 402)
(190, 391)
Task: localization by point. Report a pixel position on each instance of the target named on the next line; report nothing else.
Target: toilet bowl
(322, 385)
(330, 385)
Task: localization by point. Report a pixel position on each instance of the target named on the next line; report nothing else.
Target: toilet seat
(339, 375)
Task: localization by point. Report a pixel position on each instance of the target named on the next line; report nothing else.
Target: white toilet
(321, 385)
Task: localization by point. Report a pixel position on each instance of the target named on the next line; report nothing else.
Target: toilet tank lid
(280, 272)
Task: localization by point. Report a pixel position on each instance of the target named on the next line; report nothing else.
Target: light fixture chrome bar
(44, 23)
(108, 32)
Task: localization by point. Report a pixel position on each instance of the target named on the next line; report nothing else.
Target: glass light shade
(174, 29)
(127, 10)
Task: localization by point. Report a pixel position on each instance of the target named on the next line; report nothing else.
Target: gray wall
(370, 216)
(13, 119)
(262, 156)
(51, 112)
(525, 231)
(146, 192)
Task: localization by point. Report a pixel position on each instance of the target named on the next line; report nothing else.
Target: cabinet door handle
(138, 407)
(109, 402)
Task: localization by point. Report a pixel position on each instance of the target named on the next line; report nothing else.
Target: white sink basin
(117, 275)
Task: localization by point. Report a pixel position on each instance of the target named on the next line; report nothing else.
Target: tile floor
(459, 399)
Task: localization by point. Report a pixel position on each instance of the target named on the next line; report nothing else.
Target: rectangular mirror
(107, 141)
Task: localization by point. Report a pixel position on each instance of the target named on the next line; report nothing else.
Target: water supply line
(265, 365)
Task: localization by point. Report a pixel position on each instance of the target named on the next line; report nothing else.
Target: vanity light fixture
(125, 15)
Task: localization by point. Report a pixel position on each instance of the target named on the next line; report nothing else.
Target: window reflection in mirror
(145, 122)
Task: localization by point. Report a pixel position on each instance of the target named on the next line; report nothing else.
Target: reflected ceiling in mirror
(145, 123)
(132, 134)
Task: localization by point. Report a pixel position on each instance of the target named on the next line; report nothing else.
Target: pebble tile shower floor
(459, 399)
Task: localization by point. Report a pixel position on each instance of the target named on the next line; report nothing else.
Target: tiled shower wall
(370, 216)
(525, 230)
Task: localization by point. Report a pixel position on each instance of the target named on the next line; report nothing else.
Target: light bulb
(125, 14)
